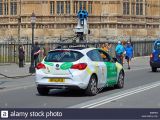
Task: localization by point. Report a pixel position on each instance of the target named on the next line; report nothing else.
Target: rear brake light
(40, 66)
(80, 66)
(151, 56)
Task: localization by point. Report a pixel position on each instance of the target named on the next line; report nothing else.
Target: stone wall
(107, 20)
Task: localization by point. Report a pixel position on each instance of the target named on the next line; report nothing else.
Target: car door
(111, 69)
(97, 65)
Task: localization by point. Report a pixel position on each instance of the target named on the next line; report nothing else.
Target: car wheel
(154, 69)
(92, 86)
(120, 83)
(43, 90)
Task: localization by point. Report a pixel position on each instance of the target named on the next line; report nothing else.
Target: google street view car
(83, 68)
(155, 56)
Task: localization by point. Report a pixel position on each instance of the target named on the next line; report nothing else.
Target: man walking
(36, 50)
(129, 53)
(21, 56)
(119, 52)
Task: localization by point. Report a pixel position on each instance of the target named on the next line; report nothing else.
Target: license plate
(56, 80)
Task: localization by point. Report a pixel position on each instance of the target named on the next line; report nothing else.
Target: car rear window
(157, 46)
(63, 56)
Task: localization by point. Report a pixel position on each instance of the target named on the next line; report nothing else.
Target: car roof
(79, 49)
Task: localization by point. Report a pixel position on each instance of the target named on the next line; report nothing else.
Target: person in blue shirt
(129, 53)
(120, 52)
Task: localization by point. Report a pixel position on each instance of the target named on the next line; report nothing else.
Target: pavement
(13, 70)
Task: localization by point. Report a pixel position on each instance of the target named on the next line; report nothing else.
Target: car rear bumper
(70, 81)
(155, 64)
(60, 86)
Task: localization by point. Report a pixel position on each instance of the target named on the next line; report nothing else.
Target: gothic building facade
(55, 18)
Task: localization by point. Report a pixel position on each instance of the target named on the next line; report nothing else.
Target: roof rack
(77, 47)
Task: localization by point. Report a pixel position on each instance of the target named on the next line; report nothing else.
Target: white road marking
(117, 96)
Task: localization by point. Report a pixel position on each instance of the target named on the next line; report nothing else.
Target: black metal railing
(9, 50)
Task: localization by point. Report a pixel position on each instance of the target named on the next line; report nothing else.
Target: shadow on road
(73, 93)
(158, 71)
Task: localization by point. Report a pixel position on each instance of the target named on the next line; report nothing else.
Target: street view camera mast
(81, 29)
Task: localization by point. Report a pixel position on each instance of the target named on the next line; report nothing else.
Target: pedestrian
(107, 47)
(129, 53)
(44, 52)
(124, 53)
(21, 56)
(119, 51)
(103, 47)
(36, 52)
(24, 55)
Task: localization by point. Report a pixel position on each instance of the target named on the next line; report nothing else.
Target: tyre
(120, 83)
(92, 86)
(43, 90)
(154, 69)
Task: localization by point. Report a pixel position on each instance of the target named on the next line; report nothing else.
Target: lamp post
(19, 22)
(32, 67)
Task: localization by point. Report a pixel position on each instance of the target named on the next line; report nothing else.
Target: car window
(105, 56)
(157, 46)
(63, 56)
(94, 55)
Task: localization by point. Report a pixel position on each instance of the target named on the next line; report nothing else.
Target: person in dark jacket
(37, 51)
(21, 56)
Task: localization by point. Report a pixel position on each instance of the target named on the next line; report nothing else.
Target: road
(141, 90)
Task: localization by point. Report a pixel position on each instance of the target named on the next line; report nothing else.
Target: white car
(82, 68)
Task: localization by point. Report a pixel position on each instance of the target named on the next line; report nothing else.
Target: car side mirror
(115, 60)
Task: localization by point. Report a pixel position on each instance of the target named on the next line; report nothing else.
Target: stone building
(57, 18)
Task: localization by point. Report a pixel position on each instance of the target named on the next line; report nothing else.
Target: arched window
(139, 7)
(133, 7)
(5, 7)
(51, 7)
(68, 7)
(60, 7)
(1, 8)
(126, 7)
(13, 7)
(75, 7)
(90, 7)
